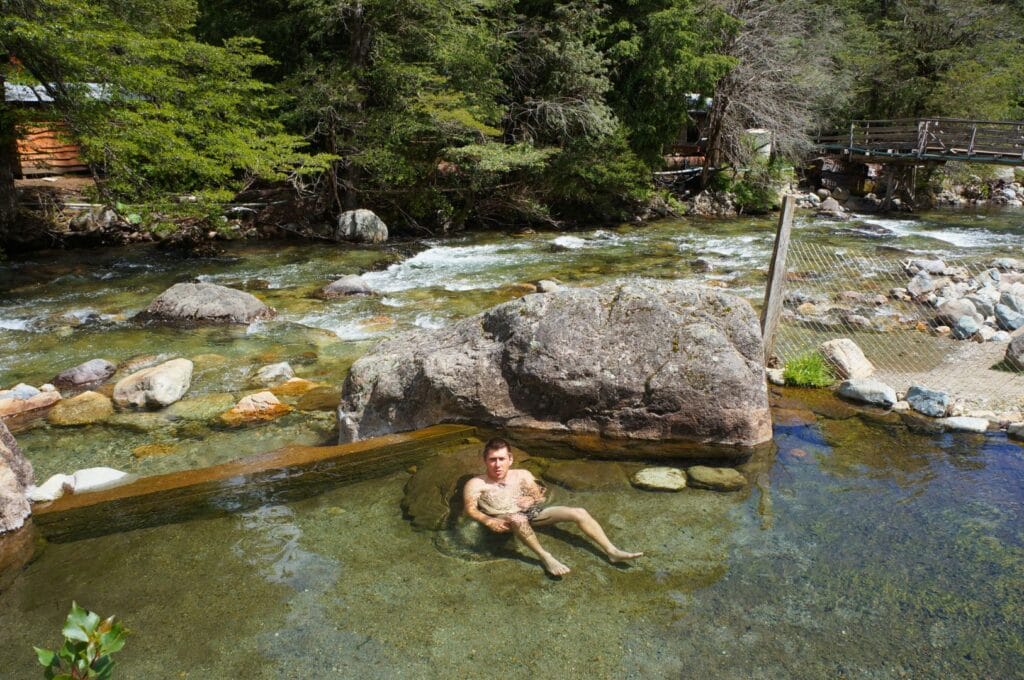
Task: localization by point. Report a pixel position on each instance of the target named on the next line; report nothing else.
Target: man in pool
(503, 500)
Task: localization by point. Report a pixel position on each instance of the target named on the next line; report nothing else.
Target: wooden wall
(46, 149)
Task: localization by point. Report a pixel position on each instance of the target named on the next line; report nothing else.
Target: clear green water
(861, 550)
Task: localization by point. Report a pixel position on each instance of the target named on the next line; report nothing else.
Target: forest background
(442, 114)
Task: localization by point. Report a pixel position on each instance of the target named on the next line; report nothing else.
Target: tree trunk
(8, 167)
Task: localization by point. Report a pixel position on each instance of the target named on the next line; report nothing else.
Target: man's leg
(588, 525)
(521, 528)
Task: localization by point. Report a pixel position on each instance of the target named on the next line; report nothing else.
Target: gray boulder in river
(15, 478)
(190, 303)
(362, 226)
(636, 360)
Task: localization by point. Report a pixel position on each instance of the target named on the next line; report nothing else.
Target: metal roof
(37, 94)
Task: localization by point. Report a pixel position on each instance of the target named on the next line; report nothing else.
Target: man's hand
(496, 525)
(526, 502)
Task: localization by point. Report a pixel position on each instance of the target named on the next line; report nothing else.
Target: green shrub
(88, 644)
(808, 370)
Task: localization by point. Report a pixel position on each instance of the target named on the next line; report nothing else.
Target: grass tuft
(808, 370)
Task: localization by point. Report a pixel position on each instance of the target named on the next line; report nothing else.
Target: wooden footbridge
(916, 141)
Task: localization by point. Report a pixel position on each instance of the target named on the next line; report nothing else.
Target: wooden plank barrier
(282, 476)
(773, 293)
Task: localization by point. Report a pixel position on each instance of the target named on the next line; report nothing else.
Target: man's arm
(530, 492)
(470, 495)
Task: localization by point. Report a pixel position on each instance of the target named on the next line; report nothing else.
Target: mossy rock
(205, 407)
(715, 478)
(586, 475)
(83, 409)
(138, 422)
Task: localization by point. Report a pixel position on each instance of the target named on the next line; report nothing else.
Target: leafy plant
(808, 370)
(88, 644)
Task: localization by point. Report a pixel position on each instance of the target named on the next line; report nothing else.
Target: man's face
(498, 462)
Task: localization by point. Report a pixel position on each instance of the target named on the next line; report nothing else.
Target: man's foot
(553, 566)
(617, 555)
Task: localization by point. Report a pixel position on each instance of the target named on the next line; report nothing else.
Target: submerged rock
(586, 475)
(156, 386)
(83, 409)
(715, 478)
(641, 359)
(15, 479)
(190, 303)
(273, 374)
(201, 408)
(84, 375)
(659, 479)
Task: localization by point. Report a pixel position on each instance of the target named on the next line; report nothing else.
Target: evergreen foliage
(446, 113)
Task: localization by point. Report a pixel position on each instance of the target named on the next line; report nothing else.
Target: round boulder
(197, 303)
(660, 479)
(156, 386)
(362, 226)
(15, 478)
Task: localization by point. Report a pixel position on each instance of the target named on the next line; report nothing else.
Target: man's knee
(580, 515)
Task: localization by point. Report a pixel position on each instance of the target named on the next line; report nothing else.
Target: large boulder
(641, 359)
(85, 375)
(15, 478)
(362, 226)
(192, 303)
(156, 386)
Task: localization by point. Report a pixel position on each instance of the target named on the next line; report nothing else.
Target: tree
(153, 109)
(781, 75)
(8, 161)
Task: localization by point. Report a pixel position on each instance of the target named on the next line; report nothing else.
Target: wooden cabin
(45, 146)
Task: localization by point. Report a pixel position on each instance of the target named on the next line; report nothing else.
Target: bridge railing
(930, 138)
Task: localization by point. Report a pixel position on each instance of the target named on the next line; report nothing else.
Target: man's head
(498, 458)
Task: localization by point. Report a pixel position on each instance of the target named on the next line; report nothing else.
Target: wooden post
(772, 309)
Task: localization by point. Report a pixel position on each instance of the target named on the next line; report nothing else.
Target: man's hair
(496, 444)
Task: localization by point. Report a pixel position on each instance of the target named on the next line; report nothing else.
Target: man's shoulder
(474, 483)
(520, 474)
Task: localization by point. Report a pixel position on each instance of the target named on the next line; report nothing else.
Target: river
(863, 550)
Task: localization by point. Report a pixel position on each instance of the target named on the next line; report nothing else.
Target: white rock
(901, 406)
(775, 376)
(846, 358)
(47, 388)
(52, 489)
(660, 479)
(98, 478)
(159, 385)
(1016, 430)
(965, 424)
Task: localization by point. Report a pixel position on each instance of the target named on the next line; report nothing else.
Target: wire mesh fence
(902, 321)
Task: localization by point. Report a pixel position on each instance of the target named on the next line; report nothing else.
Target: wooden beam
(286, 475)
(773, 292)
